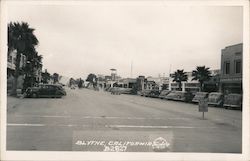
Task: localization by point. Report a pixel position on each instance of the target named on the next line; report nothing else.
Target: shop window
(238, 66)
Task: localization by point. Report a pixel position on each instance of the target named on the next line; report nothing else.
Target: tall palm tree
(22, 39)
(179, 77)
(201, 74)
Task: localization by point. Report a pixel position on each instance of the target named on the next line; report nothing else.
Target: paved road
(87, 120)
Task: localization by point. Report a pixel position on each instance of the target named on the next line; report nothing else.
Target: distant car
(163, 94)
(45, 90)
(215, 99)
(171, 95)
(145, 92)
(199, 95)
(180, 96)
(233, 101)
(126, 90)
(154, 93)
(114, 90)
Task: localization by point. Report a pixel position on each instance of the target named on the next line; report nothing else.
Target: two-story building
(231, 69)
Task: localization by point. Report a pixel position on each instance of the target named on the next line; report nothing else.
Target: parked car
(183, 96)
(145, 92)
(233, 100)
(45, 90)
(61, 88)
(216, 99)
(119, 90)
(154, 93)
(164, 93)
(126, 90)
(180, 96)
(199, 95)
(171, 95)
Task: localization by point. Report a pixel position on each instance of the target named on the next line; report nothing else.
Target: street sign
(203, 106)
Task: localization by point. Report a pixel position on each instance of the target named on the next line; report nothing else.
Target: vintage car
(198, 96)
(171, 95)
(215, 99)
(164, 93)
(180, 96)
(154, 93)
(145, 92)
(233, 100)
(45, 90)
(119, 90)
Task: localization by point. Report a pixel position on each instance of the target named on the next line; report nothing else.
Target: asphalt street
(87, 120)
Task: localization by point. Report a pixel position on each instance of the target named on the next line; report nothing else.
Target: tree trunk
(201, 86)
(180, 86)
(16, 74)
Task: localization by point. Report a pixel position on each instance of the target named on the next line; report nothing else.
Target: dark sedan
(46, 90)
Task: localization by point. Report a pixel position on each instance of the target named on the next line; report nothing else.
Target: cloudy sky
(76, 40)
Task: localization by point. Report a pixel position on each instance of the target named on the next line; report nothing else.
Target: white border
(41, 155)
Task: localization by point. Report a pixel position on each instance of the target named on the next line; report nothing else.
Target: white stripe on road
(156, 127)
(104, 117)
(26, 125)
(112, 126)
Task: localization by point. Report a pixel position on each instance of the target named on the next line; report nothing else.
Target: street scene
(87, 115)
(115, 81)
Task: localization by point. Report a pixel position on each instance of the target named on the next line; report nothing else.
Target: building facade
(11, 67)
(231, 69)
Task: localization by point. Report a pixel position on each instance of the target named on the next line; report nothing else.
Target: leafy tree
(201, 74)
(179, 77)
(22, 39)
(92, 79)
(80, 83)
(45, 77)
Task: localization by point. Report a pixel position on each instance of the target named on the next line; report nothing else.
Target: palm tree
(22, 39)
(201, 74)
(179, 76)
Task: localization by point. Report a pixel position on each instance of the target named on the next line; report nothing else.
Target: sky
(154, 40)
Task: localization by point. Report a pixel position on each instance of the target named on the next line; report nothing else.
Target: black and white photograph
(125, 77)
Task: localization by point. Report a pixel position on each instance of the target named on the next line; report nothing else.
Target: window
(237, 65)
(226, 67)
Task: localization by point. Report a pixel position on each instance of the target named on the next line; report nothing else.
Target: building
(11, 67)
(231, 69)
(157, 83)
(127, 82)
